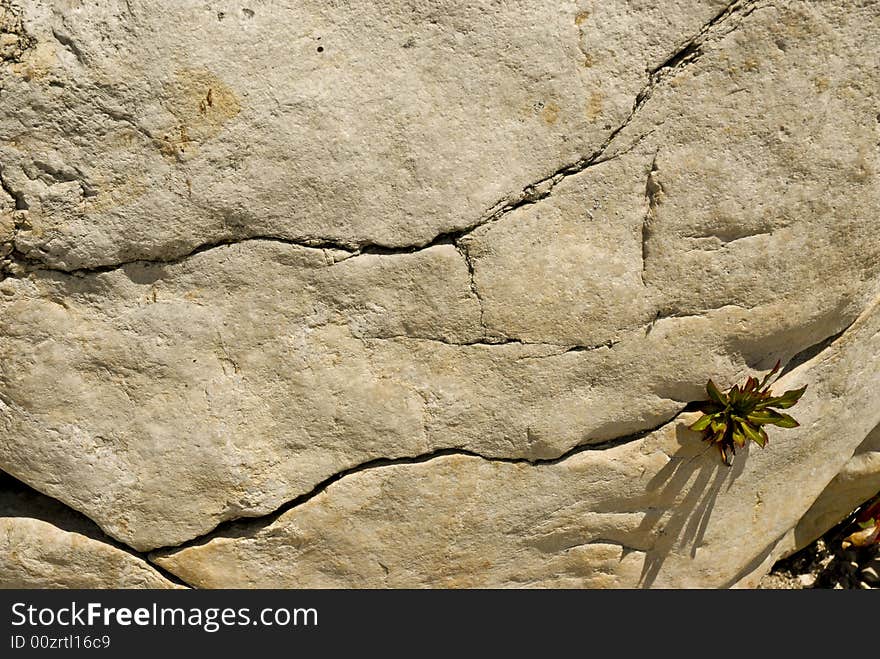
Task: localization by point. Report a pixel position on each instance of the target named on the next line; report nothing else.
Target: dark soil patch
(826, 564)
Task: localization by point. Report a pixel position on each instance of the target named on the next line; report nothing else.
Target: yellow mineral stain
(550, 113)
(37, 63)
(202, 105)
(581, 17)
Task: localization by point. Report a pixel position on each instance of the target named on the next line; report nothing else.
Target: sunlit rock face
(415, 294)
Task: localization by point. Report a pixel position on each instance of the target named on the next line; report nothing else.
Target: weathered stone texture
(46, 545)
(658, 511)
(432, 272)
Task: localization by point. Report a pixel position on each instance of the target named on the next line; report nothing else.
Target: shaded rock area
(44, 544)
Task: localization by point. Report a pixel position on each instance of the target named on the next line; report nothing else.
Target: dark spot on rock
(409, 43)
(247, 12)
(320, 49)
(221, 15)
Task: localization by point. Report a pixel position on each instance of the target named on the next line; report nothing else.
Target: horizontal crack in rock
(234, 527)
(722, 24)
(490, 343)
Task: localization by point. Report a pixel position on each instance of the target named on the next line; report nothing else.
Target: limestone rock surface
(658, 511)
(438, 279)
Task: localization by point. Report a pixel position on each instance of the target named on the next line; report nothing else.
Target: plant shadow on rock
(699, 476)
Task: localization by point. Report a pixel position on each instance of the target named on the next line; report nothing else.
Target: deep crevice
(688, 53)
(693, 48)
(352, 249)
(653, 193)
(33, 264)
(246, 526)
(492, 342)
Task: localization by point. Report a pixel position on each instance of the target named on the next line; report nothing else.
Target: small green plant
(733, 418)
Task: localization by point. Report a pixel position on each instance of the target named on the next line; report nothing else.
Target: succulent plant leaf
(702, 423)
(785, 421)
(754, 434)
(766, 416)
(759, 417)
(734, 396)
(715, 394)
(770, 374)
(784, 401)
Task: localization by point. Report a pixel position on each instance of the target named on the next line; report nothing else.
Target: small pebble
(863, 585)
(807, 580)
(870, 575)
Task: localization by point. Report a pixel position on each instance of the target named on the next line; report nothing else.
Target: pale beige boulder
(505, 231)
(180, 124)
(658, 511)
